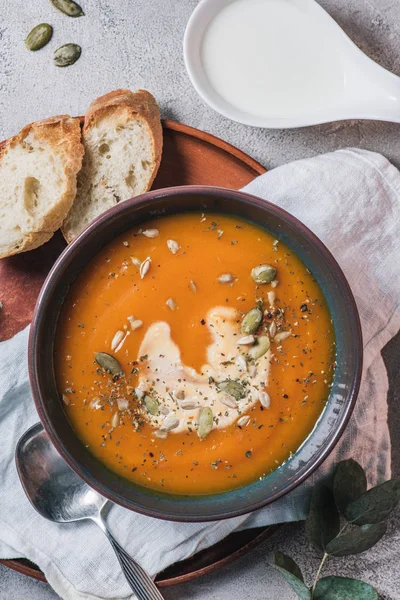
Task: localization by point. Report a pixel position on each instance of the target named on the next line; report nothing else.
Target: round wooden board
(190, 156)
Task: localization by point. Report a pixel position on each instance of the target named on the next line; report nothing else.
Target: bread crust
(141, 105)
(63, 135)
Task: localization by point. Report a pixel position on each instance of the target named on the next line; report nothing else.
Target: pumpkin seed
(232, 388)
(151, 405)
(263, 274)
(68, 7)
(67, 55)
(39, 37)
(108, 363)
(205, 422)
(252, 321)
(261, 346)
(243, 421)
(170, 423)
(264, 399)
(246, 341)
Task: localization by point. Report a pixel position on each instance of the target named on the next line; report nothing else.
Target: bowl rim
(40, 313)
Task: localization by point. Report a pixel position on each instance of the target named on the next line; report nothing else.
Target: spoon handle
(140, 582)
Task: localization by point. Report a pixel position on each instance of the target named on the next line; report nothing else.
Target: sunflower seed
(66, 400)
(68, 7)
(274, 283)
(115, 420)
(139, 393)
(271, 298)
(171, 303)
(246, 340)
(188, 404)
(243, 421)
(117, 339)
(228, 401)
(135, 323)
(205, 423)
(67, 55)
(151, 405)
(170, 423)
(161, 434)
(253, 371)
(144, 267)
(108, 363)
(173, 246)
(178, 394)
(164, 410)
(226, 278)
(136, 261)
(122, 404)
(263, 274)
(241, 363)
(282, 336)
(39, 37)
(272, 329)
(232, 388)
(95, 403)
(150, 233)
(193, 286)
(252, 321)
(264, 399)
(261, 346)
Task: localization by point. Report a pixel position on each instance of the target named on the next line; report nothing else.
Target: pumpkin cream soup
(194, 354)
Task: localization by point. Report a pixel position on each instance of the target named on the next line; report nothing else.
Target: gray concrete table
(137, 43)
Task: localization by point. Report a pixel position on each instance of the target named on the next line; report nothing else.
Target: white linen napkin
(351, 200)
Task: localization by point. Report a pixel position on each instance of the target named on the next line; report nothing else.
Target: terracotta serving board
(190, 156)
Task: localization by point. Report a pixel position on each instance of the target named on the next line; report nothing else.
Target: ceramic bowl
(327, 430)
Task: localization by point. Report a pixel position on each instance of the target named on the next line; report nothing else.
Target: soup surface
(194, 354)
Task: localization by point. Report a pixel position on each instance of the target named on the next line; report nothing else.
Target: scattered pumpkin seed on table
(67, 55)
(68, 7)
(232, 388)
(39, 37)
(260, 348)
(151, 405)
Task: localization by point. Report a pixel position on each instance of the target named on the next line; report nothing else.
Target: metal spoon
(59, 495)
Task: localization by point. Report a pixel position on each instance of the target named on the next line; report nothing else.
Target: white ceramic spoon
(365, 91)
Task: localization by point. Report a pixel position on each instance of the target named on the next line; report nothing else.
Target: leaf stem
(318, 574)
(323, 562)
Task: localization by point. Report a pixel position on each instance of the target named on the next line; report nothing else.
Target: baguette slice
(38, 169)
(122, 136)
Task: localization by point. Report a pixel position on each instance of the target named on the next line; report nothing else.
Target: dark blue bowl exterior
(332, 420)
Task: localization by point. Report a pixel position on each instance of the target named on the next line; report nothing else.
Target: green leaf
(343, 588)
(349, 483)
(375, 505)
(357, 541)
(323, 522)
(292, 573)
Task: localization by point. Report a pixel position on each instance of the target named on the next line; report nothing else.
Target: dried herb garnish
(343, 520)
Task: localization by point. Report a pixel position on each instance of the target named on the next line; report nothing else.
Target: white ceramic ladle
(366, 90)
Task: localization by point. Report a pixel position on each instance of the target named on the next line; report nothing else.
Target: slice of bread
(38, 169)
(122, 136)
